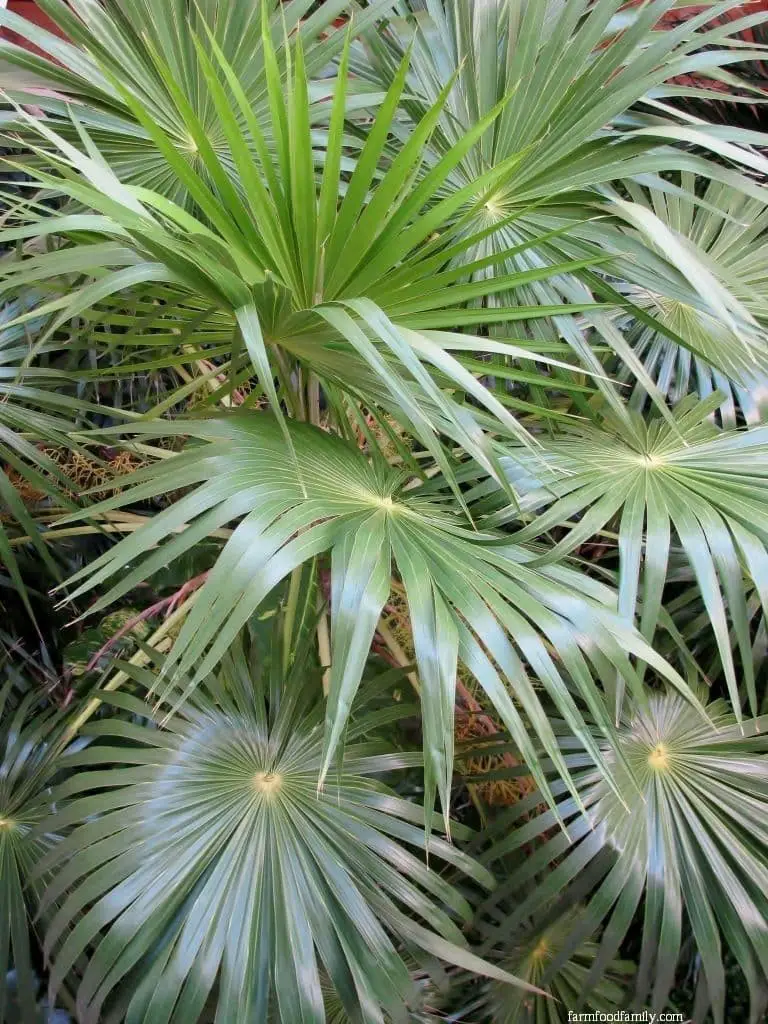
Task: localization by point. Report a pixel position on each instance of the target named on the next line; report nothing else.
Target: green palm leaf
(467, 591)
(610, 58)
(424, 1008)
(726, 230)
(359, 289)
(686, 480)
(32, 412)
(120, 42)
(391, 236)
(536, 957)
(691, 839)
(207, 867)
(27, 765)
(563, 146)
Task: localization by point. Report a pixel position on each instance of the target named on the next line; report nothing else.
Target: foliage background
(384, 527)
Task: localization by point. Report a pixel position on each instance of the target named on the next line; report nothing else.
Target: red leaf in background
(29, 10)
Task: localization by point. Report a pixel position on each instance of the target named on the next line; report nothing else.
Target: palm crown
(441, 317)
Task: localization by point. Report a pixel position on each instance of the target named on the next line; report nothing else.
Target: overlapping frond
(376, 282)
(118, 43)
(571, 142)
(682, 481)
(472, 596)
(727, 230)
(26, 769)
(536, 956)
(297, 265)
(33, 412)
(206, 871)
(689, 841)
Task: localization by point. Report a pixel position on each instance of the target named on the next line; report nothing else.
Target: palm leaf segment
(610, 57)
(728, 231)
(425, 1007)
(691, 835)
(359, 291)
(121, 41)
(536, 957)
(26, 768)
(466, 596)
(681, 479)
(32, 410)
(571, 143)
(210, 870)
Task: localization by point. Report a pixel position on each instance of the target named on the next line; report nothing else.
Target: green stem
(323, 640)
(293, 401)
(117, 680)
(290, 615)
(313, 399)
(397, 652)
(323, 631)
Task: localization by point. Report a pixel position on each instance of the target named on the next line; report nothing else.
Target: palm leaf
(536, 957)
(206, 865)
(726, 229)
(686, 480)
(467, 591)
(564, 146)
(425, 1006)
(120, 42)
(32, 412)
(691, 839)
(27, 765)
(370, 280)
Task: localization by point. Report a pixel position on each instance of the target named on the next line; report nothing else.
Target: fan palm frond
(536, 957)
(425, 1008)
(572, 143)
(727, 230)
(465, 589)
(119, 44)
(358, 289)
(206, 865)
(33, 413)
(27, 766)
(684, 480)
(690, 838)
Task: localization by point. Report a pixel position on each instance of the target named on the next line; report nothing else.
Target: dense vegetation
(385, 512)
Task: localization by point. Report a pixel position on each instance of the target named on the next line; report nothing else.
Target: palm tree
(453, 319)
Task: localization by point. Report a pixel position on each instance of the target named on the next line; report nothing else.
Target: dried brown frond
(472, 720)
(475, 725)
(383, 438)
(88, 473)
(83, 471)
(27, 491)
